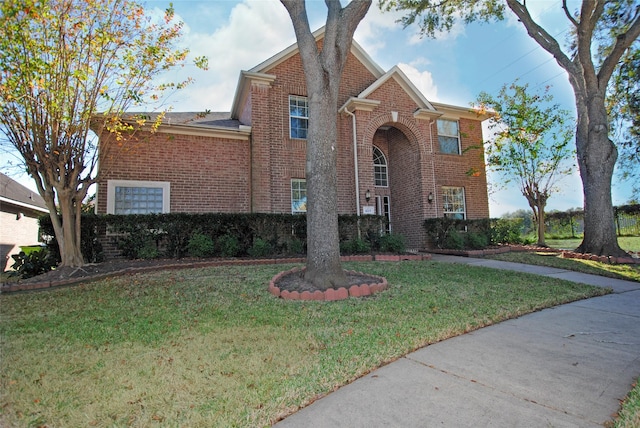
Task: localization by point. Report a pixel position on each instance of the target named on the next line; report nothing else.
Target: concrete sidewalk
(567, 366)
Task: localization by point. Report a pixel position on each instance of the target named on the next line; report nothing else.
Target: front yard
(211, 347)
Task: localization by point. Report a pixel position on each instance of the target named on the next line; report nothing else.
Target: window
(298, 117)
(453, 200)
(298, 196)
(137, 197)
(449, 136)
(379, 168)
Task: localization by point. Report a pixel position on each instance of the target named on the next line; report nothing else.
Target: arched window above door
(380, 168)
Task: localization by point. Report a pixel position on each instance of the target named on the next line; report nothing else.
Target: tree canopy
(63, 62)
(531, 144)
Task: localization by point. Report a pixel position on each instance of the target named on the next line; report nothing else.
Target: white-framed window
(453, 202)
(449, 136)
(138, 197)
(380, 174)
(298, 195)
(298, 117)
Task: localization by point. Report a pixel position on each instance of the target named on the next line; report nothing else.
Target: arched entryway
(397, 178)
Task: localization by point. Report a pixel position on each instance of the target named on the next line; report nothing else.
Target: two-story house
(399, 155)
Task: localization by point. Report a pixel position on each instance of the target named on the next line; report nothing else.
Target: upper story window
(449, 136)
(298, 196)
(137, 197)
(453, 201)
(298, 117)
(379, 168)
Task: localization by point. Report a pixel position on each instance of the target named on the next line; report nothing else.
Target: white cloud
(254, 31)
(423, 80)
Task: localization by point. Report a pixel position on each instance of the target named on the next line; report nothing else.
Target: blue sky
(454, 68)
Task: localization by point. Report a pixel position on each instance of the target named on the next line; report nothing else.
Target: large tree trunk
(597, 157)
(323, 73)
(323, 244)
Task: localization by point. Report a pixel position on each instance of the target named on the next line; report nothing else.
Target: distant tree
(596, 152)
(530, 144)
(525, 215)
(63, 62)
(323, 72)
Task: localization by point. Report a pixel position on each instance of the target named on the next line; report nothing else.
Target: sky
(453, 68)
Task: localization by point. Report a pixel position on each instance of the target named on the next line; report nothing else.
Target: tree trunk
(323, 73)
(541, 227)
(69, 245)
(324, 269)
(597, 157)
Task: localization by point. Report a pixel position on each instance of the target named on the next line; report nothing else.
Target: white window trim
(464, 201)
(300, 97)
(386, 168)
(457, 136)
(111, 192)
(292, 181)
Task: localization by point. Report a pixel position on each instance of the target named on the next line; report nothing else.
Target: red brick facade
(218, 164)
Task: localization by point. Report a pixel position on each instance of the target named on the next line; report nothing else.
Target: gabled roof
(398, 75)
(260, 72)
(12, 192)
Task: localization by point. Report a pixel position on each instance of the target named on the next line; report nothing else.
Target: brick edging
(330, 294)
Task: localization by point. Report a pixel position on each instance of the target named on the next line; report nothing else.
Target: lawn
(628, 243)
(211, 347)
(552, 259)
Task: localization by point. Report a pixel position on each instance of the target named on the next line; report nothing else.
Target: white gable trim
(398, 75)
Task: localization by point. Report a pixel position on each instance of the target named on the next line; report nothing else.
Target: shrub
(260, 248)
(295, 246)
(33, 264)
(355, 246)
(507, 231)
(228, 246)
(148, 251)
(476, 240)
(200, 245)
(392, 243)
(454, 240)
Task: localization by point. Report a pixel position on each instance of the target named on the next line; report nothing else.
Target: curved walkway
(567, 366)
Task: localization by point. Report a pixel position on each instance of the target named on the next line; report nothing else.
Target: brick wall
(209, 174)
(205, 174)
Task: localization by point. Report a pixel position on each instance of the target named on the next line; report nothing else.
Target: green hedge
(203, 235)
(458, 234)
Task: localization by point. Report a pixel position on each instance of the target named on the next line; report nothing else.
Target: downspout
(355, 165)
(433, 167)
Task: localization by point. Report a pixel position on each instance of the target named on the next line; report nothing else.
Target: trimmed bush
(201, 245)
(260, 248)
(392, 243)
(228, 246)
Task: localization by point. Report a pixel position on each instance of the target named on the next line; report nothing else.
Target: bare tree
(323, 72)
(596, 153)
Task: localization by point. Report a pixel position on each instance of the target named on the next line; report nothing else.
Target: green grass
(552, 259)
(211, 347)
(628, 243)
(629, 415)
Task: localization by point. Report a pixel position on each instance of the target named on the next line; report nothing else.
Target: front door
(383, 207)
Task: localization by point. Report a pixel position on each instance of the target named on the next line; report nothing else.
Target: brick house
(413, 159)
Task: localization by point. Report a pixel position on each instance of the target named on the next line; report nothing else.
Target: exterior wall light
(367, 195)
(430, 197)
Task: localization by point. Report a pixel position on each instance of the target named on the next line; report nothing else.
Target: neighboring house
(413, 159)
(19, 212)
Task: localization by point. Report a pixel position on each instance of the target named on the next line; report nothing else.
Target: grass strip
(552, 259)
(211, 347)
